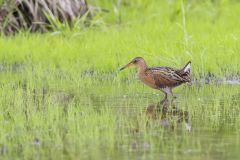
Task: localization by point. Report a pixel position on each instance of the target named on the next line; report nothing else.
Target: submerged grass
(99, 125)
(62, 97)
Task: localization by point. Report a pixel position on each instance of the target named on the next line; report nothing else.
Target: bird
(160, 78)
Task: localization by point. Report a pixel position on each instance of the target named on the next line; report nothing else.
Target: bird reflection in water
(165, 115)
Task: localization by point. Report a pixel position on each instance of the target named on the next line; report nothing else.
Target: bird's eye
(135, 61)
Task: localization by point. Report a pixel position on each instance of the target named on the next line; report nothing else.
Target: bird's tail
(185, 72)
(187, 67)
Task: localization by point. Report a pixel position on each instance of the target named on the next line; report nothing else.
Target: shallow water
(202, 123)
(110, 122)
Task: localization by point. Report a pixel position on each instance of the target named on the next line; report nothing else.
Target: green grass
(62, 96)
(211, 42)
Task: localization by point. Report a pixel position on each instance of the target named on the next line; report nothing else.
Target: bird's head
(138, 61)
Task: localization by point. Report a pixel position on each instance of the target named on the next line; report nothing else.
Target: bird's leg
(167, 92)
(164, 99)
(173, 98)
(164, 102)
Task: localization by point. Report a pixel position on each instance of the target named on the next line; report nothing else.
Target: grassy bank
(206, 33)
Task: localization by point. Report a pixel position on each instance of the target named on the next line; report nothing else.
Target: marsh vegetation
(62, 96)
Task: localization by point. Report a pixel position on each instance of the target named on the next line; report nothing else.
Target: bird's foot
(162, 101)
(165, 104)
(173, 102)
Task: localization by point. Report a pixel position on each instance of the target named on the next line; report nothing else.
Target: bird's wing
(166, 76)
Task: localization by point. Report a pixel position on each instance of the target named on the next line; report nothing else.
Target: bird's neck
(142, 67)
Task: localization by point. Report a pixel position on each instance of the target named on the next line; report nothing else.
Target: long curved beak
(126, 66)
